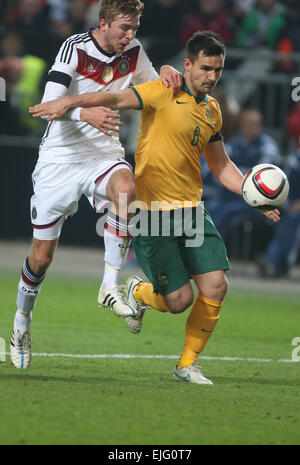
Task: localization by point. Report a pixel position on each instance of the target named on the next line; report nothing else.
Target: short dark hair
(207, 41)
(109, 9)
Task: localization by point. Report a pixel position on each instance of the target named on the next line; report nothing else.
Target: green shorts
(168, 261)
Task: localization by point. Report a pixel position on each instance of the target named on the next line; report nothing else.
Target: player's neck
(198, 95)
(99, 39)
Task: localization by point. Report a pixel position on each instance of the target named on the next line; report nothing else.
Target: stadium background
(259, 72)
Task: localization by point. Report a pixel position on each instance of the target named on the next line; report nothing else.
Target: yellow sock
(144, 293)
(200, 324)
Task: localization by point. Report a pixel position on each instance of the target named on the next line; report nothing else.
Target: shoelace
(23, 342)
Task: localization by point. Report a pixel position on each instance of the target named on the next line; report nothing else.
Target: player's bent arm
(228, 173)
(125, 99)
(223, 168)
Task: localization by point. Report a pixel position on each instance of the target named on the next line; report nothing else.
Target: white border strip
(132, 356)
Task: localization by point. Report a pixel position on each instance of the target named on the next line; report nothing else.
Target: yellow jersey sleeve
(217, 136)
(152, 95)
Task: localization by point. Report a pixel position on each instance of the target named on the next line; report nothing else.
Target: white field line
(131, 356)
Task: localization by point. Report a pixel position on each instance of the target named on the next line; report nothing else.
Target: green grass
(110, 401)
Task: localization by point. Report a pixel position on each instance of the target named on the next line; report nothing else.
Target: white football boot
(190, 374)
(113, 298)
(20, 348)
(134, 323)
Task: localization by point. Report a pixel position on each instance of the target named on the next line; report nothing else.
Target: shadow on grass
(146, 381)
(256, 380)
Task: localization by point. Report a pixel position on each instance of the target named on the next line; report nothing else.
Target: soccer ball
(265, 187)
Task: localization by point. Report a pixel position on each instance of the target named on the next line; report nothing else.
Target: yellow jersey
(174, 132)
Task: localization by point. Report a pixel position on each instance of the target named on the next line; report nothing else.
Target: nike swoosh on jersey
(180, 103)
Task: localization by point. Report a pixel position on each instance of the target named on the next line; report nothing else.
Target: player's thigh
(208, 255)
(161, 261)
(56, 195)
(212, 285)
(100, 180)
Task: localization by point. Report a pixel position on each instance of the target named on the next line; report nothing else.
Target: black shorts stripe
(109, 169)
(46, 133)
(45, 226)
(60, 78)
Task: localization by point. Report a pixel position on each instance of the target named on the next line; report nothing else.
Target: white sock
(27, 296)
(28, 291)
(116, 251)
(29, 288)
(22, 320)
(110, 278)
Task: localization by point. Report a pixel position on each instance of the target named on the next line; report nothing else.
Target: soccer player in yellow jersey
(174, 132)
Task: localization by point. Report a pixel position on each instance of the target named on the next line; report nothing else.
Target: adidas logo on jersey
(90, 69)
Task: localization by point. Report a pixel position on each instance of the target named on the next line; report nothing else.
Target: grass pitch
(67, 400)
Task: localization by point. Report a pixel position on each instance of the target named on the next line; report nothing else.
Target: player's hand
(273, 215)
(102, 118)
(53, 109)
(171, 77)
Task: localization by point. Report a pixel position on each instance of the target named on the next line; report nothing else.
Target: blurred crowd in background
(41, 25)
(31, 32)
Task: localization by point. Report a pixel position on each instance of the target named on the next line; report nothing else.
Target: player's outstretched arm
(54, 109)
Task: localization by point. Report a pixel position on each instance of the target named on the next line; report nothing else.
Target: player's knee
(220, 288)
(126, 188)
(121, 188)
(180, 303)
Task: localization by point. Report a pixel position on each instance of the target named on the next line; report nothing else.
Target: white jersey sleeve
(61, 75)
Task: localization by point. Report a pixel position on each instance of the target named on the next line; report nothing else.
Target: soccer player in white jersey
(81, 154)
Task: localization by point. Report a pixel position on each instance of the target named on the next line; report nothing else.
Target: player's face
(202, 76)
(119, 33)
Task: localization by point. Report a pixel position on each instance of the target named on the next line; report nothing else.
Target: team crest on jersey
(124, 66)
(107, 74)
(209, 115)
(33, 213)
(161, 279)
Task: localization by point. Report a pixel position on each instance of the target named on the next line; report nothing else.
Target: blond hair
(109, 9)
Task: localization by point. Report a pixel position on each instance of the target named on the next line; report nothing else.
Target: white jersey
(82, 66)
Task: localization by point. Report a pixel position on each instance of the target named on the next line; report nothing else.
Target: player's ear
(187, 64)
(103, 24)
